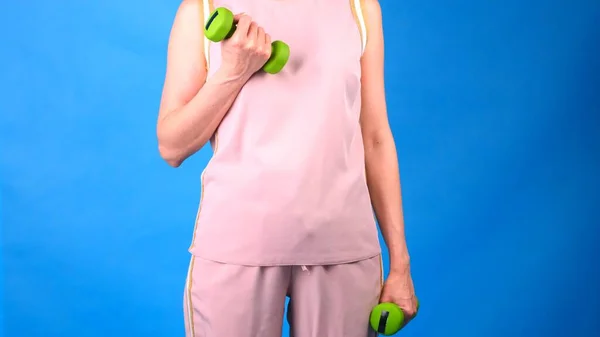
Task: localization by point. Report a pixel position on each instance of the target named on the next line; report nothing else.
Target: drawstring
(304, 268)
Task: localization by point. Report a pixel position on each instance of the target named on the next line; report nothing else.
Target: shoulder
(190, 10)
(187, 21)
(190, 5)
(372, 12)
(186, 40)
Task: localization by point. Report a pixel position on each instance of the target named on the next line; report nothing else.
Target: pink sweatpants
(223, 300)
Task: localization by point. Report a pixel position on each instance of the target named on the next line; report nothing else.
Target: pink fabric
(249, 301)
(286, 184)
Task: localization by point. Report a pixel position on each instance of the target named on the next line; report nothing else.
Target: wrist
(399, 262)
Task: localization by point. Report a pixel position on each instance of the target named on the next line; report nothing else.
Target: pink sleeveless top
(286, 184)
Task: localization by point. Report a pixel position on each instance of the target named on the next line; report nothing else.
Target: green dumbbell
(220, 26)
(387, 318)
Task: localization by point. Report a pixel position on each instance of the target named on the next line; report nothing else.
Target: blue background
(495, 108)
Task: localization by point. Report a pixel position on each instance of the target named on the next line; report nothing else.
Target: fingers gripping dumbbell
(221, 26)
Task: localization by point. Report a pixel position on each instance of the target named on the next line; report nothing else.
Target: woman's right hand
(247, 50)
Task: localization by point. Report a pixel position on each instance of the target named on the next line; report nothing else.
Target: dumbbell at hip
(220, 26)
(387, 318)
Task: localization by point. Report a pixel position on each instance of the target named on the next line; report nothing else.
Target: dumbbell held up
(221, 26)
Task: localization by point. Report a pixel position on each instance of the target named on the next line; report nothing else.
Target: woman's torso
(286, 184)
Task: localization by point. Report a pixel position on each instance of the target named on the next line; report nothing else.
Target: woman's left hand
(399, 289)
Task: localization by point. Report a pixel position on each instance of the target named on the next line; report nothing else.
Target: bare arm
(192, 108)
(383, 176)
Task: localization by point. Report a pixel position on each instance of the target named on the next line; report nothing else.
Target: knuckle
(265, 52)
(237, 42)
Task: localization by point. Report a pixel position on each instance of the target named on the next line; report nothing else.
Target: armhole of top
(205, 15)
(360, 22)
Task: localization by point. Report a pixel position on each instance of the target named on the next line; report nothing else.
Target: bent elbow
(174, 163)
(169, 156)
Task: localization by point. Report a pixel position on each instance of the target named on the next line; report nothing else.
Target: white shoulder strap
(360, 21)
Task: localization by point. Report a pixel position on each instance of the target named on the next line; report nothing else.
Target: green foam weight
(280, 53)
(387, 318)
(220, 26)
